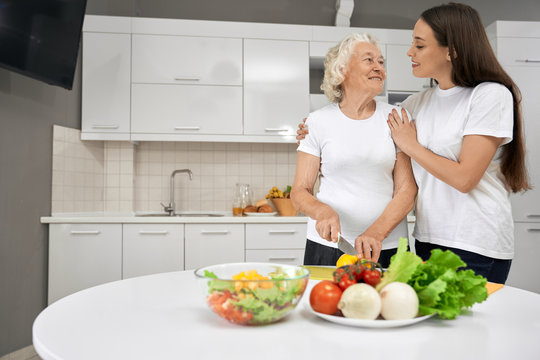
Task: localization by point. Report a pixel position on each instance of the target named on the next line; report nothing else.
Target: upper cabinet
(276, 86)
(106, 78)
(186, 60)
(185, 85)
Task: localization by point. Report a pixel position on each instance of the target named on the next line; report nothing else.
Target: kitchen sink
(180, 215)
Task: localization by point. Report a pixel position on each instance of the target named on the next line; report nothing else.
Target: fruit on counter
(325, 296)
(346, 259)
(261, 206)
(398, 302)
(360, 301)
(275, 193)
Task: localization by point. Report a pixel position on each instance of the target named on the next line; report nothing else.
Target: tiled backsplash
(124, 177)
(77, 173)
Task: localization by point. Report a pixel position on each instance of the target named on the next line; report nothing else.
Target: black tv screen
(40, 38)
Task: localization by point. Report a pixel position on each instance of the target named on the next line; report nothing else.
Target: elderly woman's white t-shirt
(356, 171)
(481, 220)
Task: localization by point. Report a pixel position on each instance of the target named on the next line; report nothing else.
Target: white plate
(379, 323)
(261, 214)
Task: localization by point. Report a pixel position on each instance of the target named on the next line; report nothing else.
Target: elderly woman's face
(365, 70)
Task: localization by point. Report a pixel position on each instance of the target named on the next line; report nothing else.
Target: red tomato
(325, 296)
(346, 281)
(371, 277)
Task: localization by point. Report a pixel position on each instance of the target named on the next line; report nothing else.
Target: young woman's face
(429, 59)
(365, 70)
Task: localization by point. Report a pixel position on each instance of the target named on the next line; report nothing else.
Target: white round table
(165, 316)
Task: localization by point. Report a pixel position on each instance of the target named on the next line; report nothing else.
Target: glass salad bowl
(252, 293)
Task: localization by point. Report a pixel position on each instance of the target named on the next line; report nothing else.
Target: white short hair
(336, 62)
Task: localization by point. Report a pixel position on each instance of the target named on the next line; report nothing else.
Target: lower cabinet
(82, 256)
(279, 243)
(152, 248)
(209, 244)
(86, 255)
(525, 265)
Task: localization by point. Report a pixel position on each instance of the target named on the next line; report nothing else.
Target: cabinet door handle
(533, 215)
(215, 232)
(105, 126)
(274, 258)
(281, 231)
(187, 128)
(275, 129)
(528, 60)
(153, 232)
(187, 78)
(85, 232)
(533, 229)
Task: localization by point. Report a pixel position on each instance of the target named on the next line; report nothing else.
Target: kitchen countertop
(164, 316)
(101, 218)
(96, 218)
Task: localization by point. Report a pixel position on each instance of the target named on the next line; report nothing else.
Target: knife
(345, 246)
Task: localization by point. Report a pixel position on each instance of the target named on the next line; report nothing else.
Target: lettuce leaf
(402, 265)
(445, 290)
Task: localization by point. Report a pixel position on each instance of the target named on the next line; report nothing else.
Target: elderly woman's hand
(368, 247)
(327, 224)
(302, 131)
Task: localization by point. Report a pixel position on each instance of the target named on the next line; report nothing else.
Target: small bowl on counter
(252, 293)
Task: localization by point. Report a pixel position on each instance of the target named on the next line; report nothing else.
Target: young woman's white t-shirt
(479, 221)
(356, 171)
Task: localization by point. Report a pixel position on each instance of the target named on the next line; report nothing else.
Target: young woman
(465, 141)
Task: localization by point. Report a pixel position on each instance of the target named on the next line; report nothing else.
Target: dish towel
(325, 273)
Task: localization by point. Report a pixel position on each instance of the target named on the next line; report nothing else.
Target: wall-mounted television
(40, 38)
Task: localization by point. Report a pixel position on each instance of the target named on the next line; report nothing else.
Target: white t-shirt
(481, 220)
(356, 172)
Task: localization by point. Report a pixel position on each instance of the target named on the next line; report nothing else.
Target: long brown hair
(459, 27)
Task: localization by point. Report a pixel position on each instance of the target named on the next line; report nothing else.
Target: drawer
(186, 60)
(151, 249)
(276, 236)
(210, 244)
(519, 51)
(281, 256)
(185, 109)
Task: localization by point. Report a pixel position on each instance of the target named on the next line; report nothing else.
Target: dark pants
(318, 254)
(495, 270)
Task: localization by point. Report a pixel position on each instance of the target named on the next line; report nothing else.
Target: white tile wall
(216, 167)
(77, 173)
(113, 176)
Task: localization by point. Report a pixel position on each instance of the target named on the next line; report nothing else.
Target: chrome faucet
(171, 208)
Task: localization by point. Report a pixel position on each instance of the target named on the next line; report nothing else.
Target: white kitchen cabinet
(186, 109)
(399, 70)
(209, 244)
(106, 80)
(279, 243)
(276, 86)
(82, 256)
(151, 249)
(525, 266)
(526, 206)
(159, 59)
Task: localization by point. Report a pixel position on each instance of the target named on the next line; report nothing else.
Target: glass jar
(241, 199)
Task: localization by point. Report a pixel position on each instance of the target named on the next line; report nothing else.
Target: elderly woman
(366, 184)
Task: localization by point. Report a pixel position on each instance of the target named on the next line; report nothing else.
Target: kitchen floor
(27, 353)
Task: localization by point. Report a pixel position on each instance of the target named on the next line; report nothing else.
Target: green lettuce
(402, 265)
(445, 290)
(441, 286)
